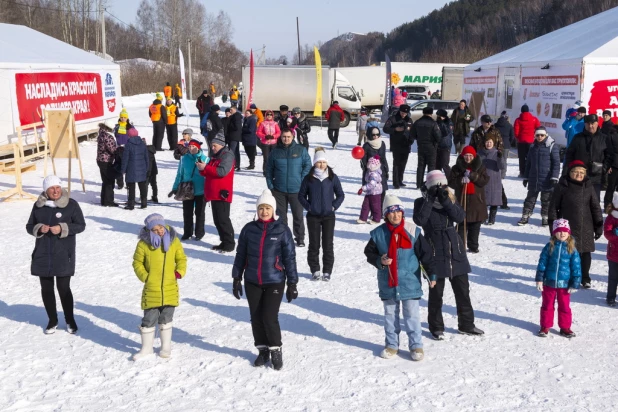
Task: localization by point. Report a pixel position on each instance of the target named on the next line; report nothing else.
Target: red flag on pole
(251, 72)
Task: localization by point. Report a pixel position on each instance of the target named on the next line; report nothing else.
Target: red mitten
(178, 275)
(360, 191)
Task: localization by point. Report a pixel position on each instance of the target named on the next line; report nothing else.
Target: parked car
(416, 109)
(415, 97)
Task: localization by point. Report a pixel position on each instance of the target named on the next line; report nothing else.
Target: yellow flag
(317, 111)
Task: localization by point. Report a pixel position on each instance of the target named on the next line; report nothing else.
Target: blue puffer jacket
(249, 127)
(266, 254)
(287, 167)
(542, 165)
(446, 130)
(187, 171)
(321, 198)
(135, 160)
(572, 126)
(561, 269)
(408, 266)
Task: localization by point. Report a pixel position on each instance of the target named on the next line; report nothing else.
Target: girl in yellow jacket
(159, 261)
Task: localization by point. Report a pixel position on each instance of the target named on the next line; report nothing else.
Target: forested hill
(464, 31)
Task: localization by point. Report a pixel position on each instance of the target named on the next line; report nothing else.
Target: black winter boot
(492, 215)
(544, 221)
(263, 356)
(251, 166)
(276, 358)
(523, 221)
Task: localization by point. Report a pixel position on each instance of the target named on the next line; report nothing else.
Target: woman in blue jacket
(321, 195)
(266, 256)
(187, 172)
(135, 164)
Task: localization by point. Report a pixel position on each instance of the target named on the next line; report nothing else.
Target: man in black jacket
(590, 146)
(612, 172)
(398, 126)
(608, 125)
(234, 133)
(427, 135)
(203, 104)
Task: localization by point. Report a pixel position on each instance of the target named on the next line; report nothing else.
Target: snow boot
(72, 327)
(567, 333)
(474, 331)
(51, 327)
(543, 332)
(523, 221)
(316, 275)
(263, 356)
(437, 335)
(251, 166)
(326, 277)
(417, 354)
(388, 353)
(544, 221)
(147, 341)
(165, 330)
(155, 199)
(611, 302)
(130, 206)
(492, 216)
(276, 357)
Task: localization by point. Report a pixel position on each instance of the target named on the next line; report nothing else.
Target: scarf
(155, 240)
(399, 240)
(376, 143)
(470, 186)
(50, 203)
(122, 127)
(320, 174)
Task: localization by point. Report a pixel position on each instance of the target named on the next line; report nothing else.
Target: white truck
(295, 86)
(452, 83)
(369, 82)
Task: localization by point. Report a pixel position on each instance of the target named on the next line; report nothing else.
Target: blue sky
(273, 22)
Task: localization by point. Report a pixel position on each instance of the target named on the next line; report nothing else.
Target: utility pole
(298, 39)
(103, 43)
(190, 72)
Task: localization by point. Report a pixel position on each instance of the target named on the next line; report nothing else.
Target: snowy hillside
(332, 334)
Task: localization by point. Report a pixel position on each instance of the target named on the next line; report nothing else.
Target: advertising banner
(601, 90)
(317, 110)
(549, 94)
(84, 93)
(251, 82)
(486, 82)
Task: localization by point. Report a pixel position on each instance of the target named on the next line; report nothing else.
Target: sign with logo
(483, 84)
(81, 92)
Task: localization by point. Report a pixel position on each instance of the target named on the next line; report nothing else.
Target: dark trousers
(530, 201)
(235, 148)
(465, 312)
(143, 192)
(612, 179)
(473, 230)
(158, 130)
(303, 139)
(264, 302)
(108, 177)
(265, 152)
(291, 199)
(459, 141)
(152, 180)
(400, 160)
(250, 151)
(321, 228)
(522, 153)
(373, 204)
(172, 135)
(333, 135)
(612, 281)
(221, 219)
(426, 159)
(505, 201)
(196, 206)
(63, 284)
(443, 159)
(586, 260)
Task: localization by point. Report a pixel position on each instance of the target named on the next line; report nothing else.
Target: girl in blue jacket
(321, 195)
(558, 274)
(266, 256)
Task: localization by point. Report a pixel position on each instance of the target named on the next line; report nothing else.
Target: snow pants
(196, 206)
(530, 202)
(221, 219)
(321, 230)
(550, 295)
(465, 313)
(264, 302)
(373, 204)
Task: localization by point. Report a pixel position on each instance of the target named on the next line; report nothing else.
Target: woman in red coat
(524, 128)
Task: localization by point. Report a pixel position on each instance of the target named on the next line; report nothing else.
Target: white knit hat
(390, 201)
(319, 155)
(266, 198)
(50, 181)
(436, 177)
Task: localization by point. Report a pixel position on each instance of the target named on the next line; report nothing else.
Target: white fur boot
(166, 340)
(147, 343)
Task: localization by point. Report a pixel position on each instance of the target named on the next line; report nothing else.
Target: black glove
(442, 194)
(499, 154)
(291, 293)
(598, 232)
(172, 193)
(513, 143)
(432, 192)
(237, 288)
(269, 137)
(525, 182)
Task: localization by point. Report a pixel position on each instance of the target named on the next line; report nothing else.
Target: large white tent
(552, 72)
(38, 71)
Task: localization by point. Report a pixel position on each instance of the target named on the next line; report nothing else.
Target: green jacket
(157, 270)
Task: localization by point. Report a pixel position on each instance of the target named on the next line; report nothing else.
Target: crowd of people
(444, 227)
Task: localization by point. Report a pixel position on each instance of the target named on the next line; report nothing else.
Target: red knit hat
(195, 143)
(576, 163)
(468, 150)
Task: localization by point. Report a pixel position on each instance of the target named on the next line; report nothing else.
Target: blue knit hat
(153, 220)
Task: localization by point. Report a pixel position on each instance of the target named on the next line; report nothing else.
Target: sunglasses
(375, 134)
(540, 135)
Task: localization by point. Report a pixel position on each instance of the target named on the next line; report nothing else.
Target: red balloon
(358, 152)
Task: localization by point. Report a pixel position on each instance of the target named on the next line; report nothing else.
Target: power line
(48, 8)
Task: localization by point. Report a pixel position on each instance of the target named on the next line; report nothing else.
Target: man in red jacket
(524, 128)
(218, 188)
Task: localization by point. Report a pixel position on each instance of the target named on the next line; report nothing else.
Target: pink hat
(561, 225)
(436, 177)
(374, 163)
(132, 132)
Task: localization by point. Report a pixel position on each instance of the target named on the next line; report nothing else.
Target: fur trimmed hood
(60, 203)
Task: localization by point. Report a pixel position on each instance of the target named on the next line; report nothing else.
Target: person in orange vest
(158, 117)
(178, 96)
(213, 90)
(167, 91)
(172, 126)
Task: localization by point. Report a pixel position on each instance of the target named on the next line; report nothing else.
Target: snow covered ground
(332, 333)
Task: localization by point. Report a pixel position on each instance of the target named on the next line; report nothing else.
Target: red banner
(603, 96)
(81, 92)
(251, 72)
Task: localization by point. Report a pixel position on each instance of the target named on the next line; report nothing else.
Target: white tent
(552, 72)
(38, 71)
